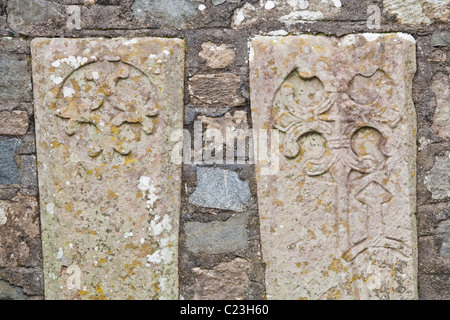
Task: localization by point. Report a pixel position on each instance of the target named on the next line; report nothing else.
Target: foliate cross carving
(109, 102)
(302, 106)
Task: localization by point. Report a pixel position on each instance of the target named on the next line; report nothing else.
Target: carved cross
(337, 116)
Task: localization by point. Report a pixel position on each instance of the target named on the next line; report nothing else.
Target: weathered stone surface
(235, 124)
(109, 192)
(286, 12)
(30, 17)
(9, 172)
(28, 166)
(216, 90)
(217, 57)
(20, 242)
(338, 219)
(440, 38)
(8, 292)
(441, 88)
(16, 45)
(113, 17)
(226, 281)
(220, 189)
(26, 281)
(217, 237)
(444, 230)
(15, 78)
(13, 123)
(438, 178)
(435, 287)
(417, 12)
(170, 13)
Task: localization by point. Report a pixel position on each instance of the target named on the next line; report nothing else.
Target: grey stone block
(220, 189)
(35, 17)
(15, 79)
(170, 13)
(217, 237)
(9, 172)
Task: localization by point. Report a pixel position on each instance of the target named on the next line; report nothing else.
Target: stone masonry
(220, 242)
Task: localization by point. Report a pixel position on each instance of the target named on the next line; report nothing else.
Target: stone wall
(219, 249)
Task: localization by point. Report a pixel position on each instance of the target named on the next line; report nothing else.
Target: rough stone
(9, 172)
(113, 17)
(338, 218)
(27, 281)
(35, 17)
(215, 90)
(226, 281)
(28, 168)
(14, 123)
(8, 292)
(417, 12)
(444, 229)
(220, 189)
(440, 38)
(14, 45)
(170, 13)
(435, 287)
(217, 237)
(236, 124)
(286, 12)
(15, 78)
(438, 178)
(441, 87)
(217, 57)
(106, 112)
(20, 230)
(27, 145)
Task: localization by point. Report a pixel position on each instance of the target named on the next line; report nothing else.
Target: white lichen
(68, 92)
(3, 217)
(148, 191)
(51, 208)
(75, 62)
(56, 80)
(60, 254)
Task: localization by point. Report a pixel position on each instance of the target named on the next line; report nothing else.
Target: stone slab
(226, 281)
(105, 113)
(338, 218)
(220, 189)
(9, 172)
(13, 123)
(217, 237)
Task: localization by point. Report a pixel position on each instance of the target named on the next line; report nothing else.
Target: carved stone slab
(338, 219)
(109, 192)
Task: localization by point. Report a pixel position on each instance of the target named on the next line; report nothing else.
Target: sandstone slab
(14, 123)
(217, 57)
(226, 281)
(338, 219)
(109, 193)
(216, 90)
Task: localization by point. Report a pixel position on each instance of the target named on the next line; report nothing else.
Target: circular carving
(106, 106)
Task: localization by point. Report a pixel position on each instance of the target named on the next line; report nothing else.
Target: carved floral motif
(106, 102)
